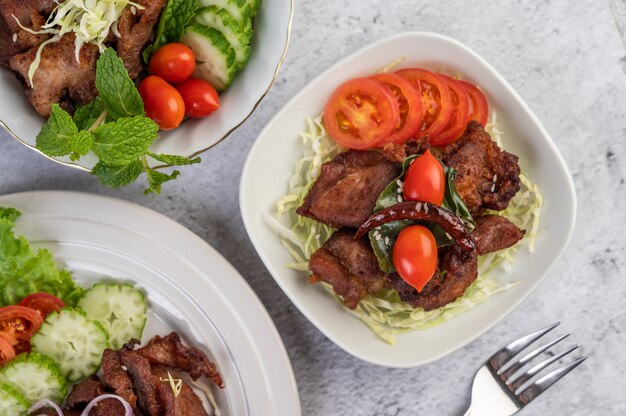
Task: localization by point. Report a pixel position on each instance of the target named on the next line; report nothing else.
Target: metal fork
(502, 387)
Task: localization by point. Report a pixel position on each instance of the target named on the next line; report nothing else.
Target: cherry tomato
(19, 323)
(173, 62)
(361, 113)
(199, 96)
(425, 180)
(44, 303)
(460, 114)
(409, 104)
(435, 97)
(7, 352)
(162, 102)
(415, 255)
(479, 110)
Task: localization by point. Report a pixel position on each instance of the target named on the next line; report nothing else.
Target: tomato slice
(44, 303)
(7, 352)
(479, 110)
(409, 104)
(460, 114)
(425, 180)
(361, 113)
(435, 98)
(415, 255)
(19, 323)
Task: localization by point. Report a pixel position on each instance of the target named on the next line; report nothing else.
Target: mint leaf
(174, 19)
(80, 144)
(86, 115)
(10, 214)
(55, 135)
(156, 179)
(116, 176)
(120, 142)
(117, 90)
(174, 160)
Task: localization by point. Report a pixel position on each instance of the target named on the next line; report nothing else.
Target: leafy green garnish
(23, 271)
(114, 127)
(384, 237)
(174, 19)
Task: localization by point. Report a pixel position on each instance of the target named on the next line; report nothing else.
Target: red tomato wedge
(19, 323)
(409, 104)
(479, 110)
(436, 99)
(415, 255)
(44, 303)
(361, 113)
(460, 114)
(7, 352)
(425, 180)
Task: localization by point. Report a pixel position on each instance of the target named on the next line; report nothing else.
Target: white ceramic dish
(271, 162)
(190, 288)
(272, 30)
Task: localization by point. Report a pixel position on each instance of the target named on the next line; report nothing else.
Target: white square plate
(271, 162)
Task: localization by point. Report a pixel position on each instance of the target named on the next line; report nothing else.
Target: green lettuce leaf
(24, 271)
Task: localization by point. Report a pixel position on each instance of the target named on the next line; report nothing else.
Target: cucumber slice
(13, 402)
(36, 377)
(238, 9)
(215, 59)
(75, 342)
(237, 36)
(120, 308)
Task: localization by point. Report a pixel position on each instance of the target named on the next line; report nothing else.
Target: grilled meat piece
(346, 191)
(31, 14)
(493, 233)
(136, 30)
(461, 270)
(144, 382)
(116, 378)
(169, 351)
(487, 176)
(59, 78)
(84, 392)
(349, 266)
(396, 153)
(187, 403)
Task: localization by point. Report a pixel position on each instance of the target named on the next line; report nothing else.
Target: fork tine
(535, 389)
(512, 349)
(513, 365)
(520, 377)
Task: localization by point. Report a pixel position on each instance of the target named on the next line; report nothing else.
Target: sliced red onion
(128, 410)
(46, 403)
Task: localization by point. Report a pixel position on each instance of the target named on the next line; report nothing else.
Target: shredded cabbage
(90, 20)
(384, 312)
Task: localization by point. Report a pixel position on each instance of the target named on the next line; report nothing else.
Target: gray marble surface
(567, 59)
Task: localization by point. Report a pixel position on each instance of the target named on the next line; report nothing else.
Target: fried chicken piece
(136, 30)
(494, 232)
(169, 351)
(349, 266)
(461, 269)
(116, 378)
(345, 193)
(487, 176)
(396, 153)
(59, 78)
(144, 382)
(187, 403)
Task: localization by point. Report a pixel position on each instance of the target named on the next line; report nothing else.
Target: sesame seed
(378, 237)
(493, 187)
(377, 228)
(399, 183)
(14, 37)
(124, 368)
(495, 177)
(386, 240)
(400, 199)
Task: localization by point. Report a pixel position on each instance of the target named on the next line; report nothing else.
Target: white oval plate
(190, 288)
(271, 38)
(271, 162)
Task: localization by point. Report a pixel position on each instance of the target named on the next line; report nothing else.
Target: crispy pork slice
(84, 392)
(135, 26)
(116, 378)
(494, 232)
(487, 176)
(170, 351)
(59, 77)
(144, 382)
(346, 191)
(186, 403)
(461, 269)
(349, 266)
